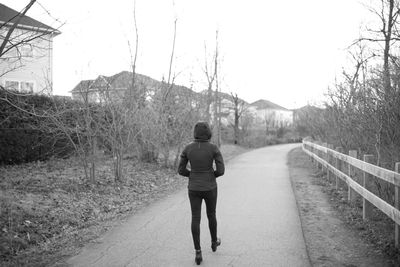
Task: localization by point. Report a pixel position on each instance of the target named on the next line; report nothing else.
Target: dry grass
(48, 206)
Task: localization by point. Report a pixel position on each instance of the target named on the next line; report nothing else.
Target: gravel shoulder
(330, 239)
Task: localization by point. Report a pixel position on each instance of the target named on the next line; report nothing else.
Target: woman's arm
(219, 163)
(182, 170)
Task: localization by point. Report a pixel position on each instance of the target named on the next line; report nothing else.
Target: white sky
(287, 52)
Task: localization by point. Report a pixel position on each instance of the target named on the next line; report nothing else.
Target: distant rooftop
(9, 16)
(121, 80)
(265, 104)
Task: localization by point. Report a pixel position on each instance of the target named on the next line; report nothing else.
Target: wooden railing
(342, 168)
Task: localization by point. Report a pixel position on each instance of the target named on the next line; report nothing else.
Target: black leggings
(210, 197)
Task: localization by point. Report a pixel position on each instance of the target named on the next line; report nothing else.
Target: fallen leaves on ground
(45, 205)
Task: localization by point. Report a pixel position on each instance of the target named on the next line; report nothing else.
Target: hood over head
(202, 131)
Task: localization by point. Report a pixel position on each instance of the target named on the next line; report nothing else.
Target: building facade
(113, 87)
(26, 62)
(271, 115)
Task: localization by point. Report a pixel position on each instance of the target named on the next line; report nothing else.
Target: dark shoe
(215, 244)
(199, 257)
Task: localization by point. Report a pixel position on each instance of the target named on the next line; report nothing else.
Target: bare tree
(247, 121)
(217, 104)
(8, 43)
(73, 121)
(20, 45)
(388, 35)
(13, 39)
(164, 106)
(210, 71)
(239, 107)
(131, 90)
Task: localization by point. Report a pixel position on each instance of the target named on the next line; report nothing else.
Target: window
(12, 85)
(20, 86)
(26, 86)
(27, 51)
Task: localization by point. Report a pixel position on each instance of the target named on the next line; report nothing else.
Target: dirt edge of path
(330, 239)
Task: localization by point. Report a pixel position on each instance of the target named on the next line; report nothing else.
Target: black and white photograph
(215, 133)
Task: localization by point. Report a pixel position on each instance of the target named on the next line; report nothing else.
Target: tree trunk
(118, 177)
(219, 123)
(386, 52)
(166, 157)
(236, 127)
(215, 120)
(178, 153)
(208, 104)
(86, 168)
(93, 160)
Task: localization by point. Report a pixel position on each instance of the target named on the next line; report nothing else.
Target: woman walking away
(202, 183)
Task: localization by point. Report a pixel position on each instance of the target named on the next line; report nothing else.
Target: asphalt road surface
(257, 215)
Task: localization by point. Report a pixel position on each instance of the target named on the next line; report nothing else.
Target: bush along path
(48, 211)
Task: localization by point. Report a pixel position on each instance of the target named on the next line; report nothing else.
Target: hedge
(21, 140)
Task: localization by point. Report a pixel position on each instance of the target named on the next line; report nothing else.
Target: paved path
(257, 217)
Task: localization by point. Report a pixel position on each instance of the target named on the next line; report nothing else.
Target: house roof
(265, 104)
(9, 16)
(83, 85)
(223, 96)
(121, 80)
(308, 108)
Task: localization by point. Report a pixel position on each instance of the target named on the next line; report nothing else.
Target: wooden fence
(342, 168)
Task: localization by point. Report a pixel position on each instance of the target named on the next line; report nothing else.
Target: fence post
(329, 175)
(312, 151)
(367, 206)
(317, 152)
(325, 157)
(351, 193)
(396, 205)
(338, 165)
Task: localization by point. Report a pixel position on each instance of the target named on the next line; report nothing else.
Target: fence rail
(330, 159)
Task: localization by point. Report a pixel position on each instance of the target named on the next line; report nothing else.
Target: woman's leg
(211, 204)
(195, 204)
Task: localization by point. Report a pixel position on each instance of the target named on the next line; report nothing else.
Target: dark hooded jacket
(201, 154)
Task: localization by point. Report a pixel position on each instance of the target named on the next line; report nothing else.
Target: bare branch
(15, 24)
(172, 53)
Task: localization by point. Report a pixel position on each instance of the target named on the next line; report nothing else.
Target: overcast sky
(287, 52)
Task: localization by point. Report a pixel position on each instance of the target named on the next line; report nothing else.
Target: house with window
(118, 87)
(270, 115)
(26, 62)
(113, 87)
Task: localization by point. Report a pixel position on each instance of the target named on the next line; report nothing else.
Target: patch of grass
(47, 207)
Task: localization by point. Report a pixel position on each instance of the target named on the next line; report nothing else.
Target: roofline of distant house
(48, 30)
(274, 108)
(93, 89)
(269, 108)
